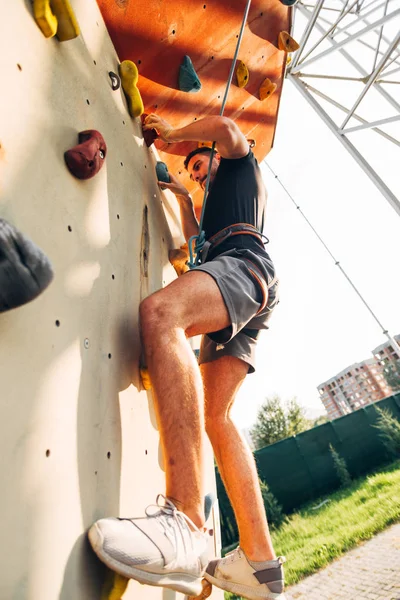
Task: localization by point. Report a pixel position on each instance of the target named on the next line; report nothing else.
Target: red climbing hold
(149, 135)
(87, 158)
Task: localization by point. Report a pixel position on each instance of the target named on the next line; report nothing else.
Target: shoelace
(168, 509)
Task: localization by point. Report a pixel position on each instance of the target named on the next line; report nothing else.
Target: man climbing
(228, 298)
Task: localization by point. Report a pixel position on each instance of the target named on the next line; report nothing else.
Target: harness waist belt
(235, 229)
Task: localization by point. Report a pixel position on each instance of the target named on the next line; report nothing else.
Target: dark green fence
(300, 468)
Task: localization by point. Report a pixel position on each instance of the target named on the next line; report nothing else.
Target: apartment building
(359, 384)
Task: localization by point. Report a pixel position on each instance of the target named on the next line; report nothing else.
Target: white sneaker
(234, 573)
(164, 549)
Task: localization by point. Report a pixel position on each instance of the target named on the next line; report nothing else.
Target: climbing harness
(199, 240)
(236, 229)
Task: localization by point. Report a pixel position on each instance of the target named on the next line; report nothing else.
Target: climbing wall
(78, 434)
(157, 34)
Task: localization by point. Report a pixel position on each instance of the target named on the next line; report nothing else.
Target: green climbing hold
(162, 172)
(188, 80)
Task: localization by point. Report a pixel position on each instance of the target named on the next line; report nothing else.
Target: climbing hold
(252, 143)
(25, 271)
(267, 88)
(68, 27)
(288, 59)
(149, 135)
(188, 79)
(114, 586)
(204, 144)
(144, 374)
(87, 158)
(289, 2)
(206, 592)
(115, 80)
(162, 172)
(242, 74)
(44, 17)
(129, 77)
(209, 500)
(179, 259)
(286, 42)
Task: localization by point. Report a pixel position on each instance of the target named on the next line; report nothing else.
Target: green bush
(389, 428)
(340, 467)
(272, 508)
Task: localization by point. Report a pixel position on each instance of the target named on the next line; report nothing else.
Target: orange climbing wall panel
(157, 34)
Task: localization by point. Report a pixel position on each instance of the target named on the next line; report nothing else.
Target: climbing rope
(198, 240)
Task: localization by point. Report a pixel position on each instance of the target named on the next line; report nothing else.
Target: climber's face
(198, 168)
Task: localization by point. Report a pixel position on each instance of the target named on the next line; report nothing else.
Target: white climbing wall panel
(78, 434)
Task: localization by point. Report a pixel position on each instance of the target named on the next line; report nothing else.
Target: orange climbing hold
(242, 74)
(287, 43)
(179, 259)
(267, 88)
(144, 374)
(206, 592)
(204, 145)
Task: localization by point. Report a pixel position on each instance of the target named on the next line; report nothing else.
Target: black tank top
(237, 195)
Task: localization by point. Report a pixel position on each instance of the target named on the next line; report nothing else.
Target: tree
(277, 421)
(391, 373)
(340, 467)
(389, 428)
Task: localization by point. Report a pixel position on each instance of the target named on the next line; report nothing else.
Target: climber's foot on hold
(163, 549)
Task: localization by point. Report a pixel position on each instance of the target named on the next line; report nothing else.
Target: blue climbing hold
(209, 500)
(188, 80)
(162, 172)
(289, 2)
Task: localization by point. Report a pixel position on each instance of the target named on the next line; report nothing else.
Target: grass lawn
(310, 539)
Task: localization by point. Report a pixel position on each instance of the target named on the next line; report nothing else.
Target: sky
(320, 325)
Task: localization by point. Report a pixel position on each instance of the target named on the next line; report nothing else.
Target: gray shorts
(249, 288)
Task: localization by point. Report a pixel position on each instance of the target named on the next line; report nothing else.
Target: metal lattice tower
(348, 69)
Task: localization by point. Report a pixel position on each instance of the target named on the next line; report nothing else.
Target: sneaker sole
(179, 582)
(242, 590)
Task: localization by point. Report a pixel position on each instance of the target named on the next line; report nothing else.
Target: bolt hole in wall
(113, 276)
(19, 66)
(87, 100)
(109, 355)
(69, 228)
(58, 323)
(94, 62)
(47, 453)
(108, 454)
(117, 216)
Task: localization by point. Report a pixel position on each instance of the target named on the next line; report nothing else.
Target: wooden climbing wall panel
(157, 34)
(78, 434)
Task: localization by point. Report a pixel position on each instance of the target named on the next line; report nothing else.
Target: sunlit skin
(198, 168)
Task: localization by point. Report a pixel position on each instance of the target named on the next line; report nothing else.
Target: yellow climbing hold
(44, 17)
(68, 27)
(179, 259)
(114, 586)
(242, 74)
(144, 374)
(56, 17)
(289, 59)
(287, 43)
(267, 88)
(129, 77)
